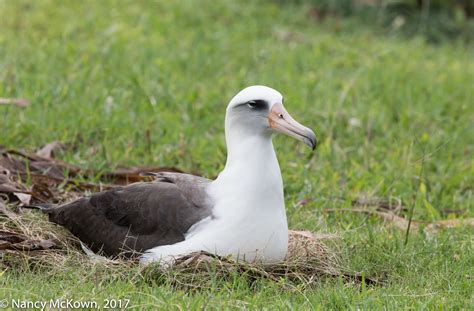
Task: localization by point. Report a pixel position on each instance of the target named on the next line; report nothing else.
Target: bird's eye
(252, 104)
(255, 104)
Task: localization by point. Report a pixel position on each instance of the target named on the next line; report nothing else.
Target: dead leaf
(402, 223)
(45, 175)
(20, 102)
(42, 192)
(390, 217)
(434, 227)
(23, 197)
(19, 161)
(7, 185)
(17, 241)
(8, 188)
(453, 223)
(50, 178)
(32, 245)
(381, 204)
(397, 221)
(20, 242)
(48, 151)
(454, 211)
(12, 237)
(5, 245)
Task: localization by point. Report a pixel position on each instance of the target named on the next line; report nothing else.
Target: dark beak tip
(313, 140)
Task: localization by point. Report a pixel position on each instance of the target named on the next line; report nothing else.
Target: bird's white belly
(265, 240)
(261, 236)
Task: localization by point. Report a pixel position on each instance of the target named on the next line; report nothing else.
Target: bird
(240, 214)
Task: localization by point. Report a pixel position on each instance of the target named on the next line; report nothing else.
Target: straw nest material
(28, 239)
(308, 260)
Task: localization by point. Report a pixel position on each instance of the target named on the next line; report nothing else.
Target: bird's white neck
(251, 180)
(249, 150)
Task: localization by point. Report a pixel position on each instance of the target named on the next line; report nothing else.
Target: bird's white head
(259, 110)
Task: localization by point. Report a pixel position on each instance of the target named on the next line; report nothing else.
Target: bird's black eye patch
(257, 104)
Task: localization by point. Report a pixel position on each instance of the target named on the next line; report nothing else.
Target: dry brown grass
(308, 260)
(36, 243)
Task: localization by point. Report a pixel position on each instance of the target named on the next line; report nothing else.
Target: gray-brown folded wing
(139, 216)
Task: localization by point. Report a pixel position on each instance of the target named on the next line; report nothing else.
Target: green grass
(146, 83)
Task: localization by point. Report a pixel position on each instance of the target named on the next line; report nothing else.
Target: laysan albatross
(241, 213)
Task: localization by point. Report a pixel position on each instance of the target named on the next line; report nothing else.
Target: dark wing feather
(137, 217)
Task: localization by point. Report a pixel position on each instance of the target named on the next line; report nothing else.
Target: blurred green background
(435, 20)
(386, 85)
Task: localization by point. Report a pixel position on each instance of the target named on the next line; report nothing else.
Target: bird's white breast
(248, 220)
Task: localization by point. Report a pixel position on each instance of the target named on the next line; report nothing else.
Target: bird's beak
(281, 121)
